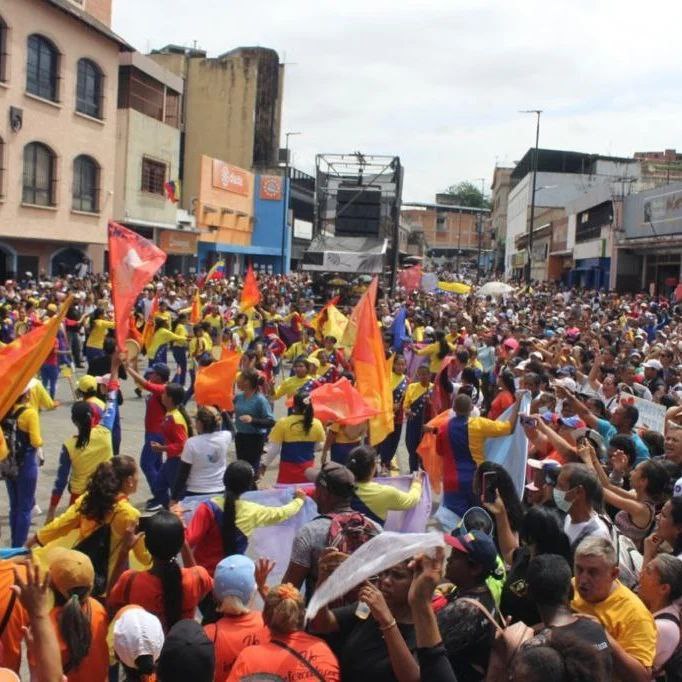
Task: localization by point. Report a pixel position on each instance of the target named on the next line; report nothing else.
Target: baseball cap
(187, 654)
(337, 479)
(567, 383)
(235, 577)
(478, 546)
(573, 422)
(160, 368)
(136, 633)
(70, 569)
(653, 364)
(677, 488)
(87, 383)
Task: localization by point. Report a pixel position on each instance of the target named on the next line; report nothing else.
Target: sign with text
(651, 415)
(230, 178)
(271, 187)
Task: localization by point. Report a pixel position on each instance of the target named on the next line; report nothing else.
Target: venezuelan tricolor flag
(217, 271)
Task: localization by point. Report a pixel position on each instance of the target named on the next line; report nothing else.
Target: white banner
(651, 415)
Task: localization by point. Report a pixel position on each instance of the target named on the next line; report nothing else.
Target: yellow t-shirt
(290, 430)
(413, 392)
(624, 616)
(98, 333)
(432, 351)
(181, 330)
(291, 385)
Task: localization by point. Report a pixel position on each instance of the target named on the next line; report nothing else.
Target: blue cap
(159, 368)
(479, 546)
(235, 577)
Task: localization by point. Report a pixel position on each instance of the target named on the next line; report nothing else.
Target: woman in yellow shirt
(99, 328)
(103, 509)
(158, 348)
(179, 349)
(436, 352)
(415, 403)
(300, 381)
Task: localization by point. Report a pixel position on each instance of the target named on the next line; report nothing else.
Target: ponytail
(304, 406)
(239, 478)
(74, 625)
(170, 576)
(81, 416)
(177, 394)
(188, 420)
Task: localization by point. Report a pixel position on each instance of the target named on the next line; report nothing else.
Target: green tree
(467, 194)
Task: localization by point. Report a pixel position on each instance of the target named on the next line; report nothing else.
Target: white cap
(567, 383)
(137, 633)
(653, 364)
(677, 488)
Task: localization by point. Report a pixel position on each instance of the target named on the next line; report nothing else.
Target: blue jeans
(166, 480)
(150, 461)
(92, 353)
(22, 498)
(116, 433)
(180, 356)
(48, 376)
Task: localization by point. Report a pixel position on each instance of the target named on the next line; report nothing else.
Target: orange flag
(21, 359)
(195, 312)
(340, 402)
(133, 261)
(250, 293)
(427, 450)
(148, 331)
(371, 367)
(215, 384)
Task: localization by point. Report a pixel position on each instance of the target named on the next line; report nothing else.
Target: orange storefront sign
(230, 178)
(178, 243)
(271, 187)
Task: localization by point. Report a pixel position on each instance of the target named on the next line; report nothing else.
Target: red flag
(340, 402)
(250, 293)
(411, 278)
(195, 312)
(133, 261)
(215, 384)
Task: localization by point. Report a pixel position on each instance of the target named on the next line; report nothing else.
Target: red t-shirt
(204, 536)
(273, 659)
(145, 589)
(156, 412)
(502, 401)
(230, 635)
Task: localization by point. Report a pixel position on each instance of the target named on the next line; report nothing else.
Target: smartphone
(532, 422)
(489, 485)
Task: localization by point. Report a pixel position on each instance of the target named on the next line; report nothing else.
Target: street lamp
(537, 112)
(286, 200)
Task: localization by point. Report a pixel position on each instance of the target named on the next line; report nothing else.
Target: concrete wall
(457, 231)
(138, 136)
(100, 9)
(57, 125)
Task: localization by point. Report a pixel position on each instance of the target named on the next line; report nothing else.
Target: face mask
(560, 500)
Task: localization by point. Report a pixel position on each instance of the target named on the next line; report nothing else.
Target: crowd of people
(571, 570)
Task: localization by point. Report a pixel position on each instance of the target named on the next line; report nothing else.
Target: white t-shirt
(207, 453)
(573, 530)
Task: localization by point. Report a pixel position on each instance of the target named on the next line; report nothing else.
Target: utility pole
(537, 112)
(286, 198)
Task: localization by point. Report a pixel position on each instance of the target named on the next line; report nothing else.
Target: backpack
(349, 531)
(629, 557)
(9, 467)
(672, 669)
(97, 547)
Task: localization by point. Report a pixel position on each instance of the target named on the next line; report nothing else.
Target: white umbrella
(494, 289)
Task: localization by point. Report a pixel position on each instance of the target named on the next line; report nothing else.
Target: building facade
(499, 198)
(147, 187)
(58, 87)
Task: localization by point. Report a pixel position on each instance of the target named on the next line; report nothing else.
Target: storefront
(181, 247)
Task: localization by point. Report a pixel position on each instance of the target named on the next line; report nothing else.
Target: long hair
(541, 526)
(95, 315)
(361, 462)
(238, 479)
(505, 486)
(303, 406)
(507, 379)
(105, 486)
(81, 416)
(164, 537)
(74, 625)
(177, 394)
(443, 347)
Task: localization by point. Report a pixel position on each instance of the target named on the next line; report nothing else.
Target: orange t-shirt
(230, 635)
(10, 654)
(95, 666)
(273, 659)
(144, 589)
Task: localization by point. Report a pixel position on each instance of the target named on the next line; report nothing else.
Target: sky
(440, 82)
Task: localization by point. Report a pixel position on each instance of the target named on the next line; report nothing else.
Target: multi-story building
(59, 63)
(499, 189)
(660, 168)
(452, 232)
(562, 176)
(147, 186)
(232, 112)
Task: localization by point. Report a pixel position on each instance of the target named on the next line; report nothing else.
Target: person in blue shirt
(253, 419)
(622, 421)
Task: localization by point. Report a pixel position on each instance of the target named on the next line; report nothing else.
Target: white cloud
(440, 82)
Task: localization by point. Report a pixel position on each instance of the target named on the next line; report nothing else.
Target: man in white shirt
(579, 494)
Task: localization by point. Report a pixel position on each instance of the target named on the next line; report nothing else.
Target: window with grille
(172, 109)
(89, 89)
(153, 176)
(85, 184)
(4, 44)
(42, 68)
(39, 175)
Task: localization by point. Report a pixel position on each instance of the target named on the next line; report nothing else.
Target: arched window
(85, 184)
(3, 50)
(39, 175)
(89, 88)
(42, 68)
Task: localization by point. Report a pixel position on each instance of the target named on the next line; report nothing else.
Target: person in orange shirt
(17, 618)
(166, 590)
(80, 621)
(234, 586)
(292, 653)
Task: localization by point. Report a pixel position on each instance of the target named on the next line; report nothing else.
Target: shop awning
(345, 254)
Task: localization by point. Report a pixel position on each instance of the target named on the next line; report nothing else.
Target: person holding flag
(389, 446)
(301, 380)
(415, 407)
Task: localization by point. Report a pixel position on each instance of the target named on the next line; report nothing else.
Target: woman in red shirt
(169, 592)
(505, 396)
